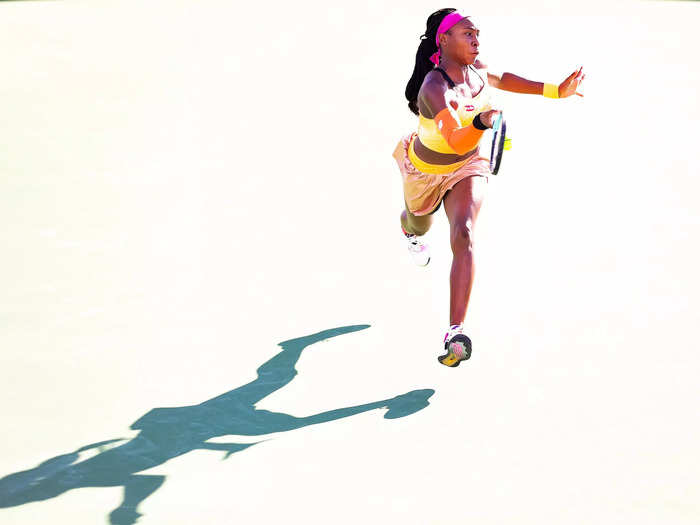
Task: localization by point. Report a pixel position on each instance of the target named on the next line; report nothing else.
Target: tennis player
(450, 92)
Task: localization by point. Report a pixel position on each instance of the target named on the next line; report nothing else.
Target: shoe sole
(443, 360)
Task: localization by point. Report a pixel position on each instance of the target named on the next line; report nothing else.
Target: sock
(454, 329)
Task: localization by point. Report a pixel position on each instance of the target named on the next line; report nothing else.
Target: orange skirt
(423, 192)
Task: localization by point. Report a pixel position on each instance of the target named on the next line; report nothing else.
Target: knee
(416, 225)
(461, 237)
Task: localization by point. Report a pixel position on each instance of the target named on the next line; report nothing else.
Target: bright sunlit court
(208, 312)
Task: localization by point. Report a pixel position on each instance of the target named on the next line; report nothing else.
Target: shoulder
(434, 82)
(433, 94)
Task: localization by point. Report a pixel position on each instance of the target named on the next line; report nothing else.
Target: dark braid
(423, 64)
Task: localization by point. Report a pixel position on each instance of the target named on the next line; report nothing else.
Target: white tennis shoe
(458, 347)
(420, 253)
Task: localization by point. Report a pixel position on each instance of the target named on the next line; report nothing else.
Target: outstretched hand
(571, 83)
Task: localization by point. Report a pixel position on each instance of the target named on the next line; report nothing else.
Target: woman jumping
(449, 91)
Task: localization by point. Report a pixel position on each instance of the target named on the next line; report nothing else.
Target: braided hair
(423, 64)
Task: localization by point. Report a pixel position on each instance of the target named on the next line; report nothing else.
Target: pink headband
(444, 26)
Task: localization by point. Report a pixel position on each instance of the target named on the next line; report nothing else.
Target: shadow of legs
(136, 489)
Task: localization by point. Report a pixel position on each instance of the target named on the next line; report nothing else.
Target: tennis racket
(497, 143)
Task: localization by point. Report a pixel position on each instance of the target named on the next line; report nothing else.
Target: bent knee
(461, 237)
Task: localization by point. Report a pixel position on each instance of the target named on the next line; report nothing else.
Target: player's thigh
(464, 200)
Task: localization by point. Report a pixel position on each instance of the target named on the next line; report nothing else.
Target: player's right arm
(438, 102)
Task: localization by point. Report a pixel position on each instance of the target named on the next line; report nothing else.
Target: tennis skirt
(423, 192)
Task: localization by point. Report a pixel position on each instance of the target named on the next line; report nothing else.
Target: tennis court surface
(209, 314)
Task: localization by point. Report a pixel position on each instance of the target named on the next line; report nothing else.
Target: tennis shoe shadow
(166, 433)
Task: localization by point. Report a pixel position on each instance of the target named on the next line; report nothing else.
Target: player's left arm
(517, 84)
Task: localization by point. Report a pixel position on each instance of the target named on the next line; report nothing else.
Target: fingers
(573, 81)
(575, 75)
(579, 80)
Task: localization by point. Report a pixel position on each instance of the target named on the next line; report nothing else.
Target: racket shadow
(166, 433)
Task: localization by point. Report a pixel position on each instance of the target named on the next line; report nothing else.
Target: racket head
(499, 137)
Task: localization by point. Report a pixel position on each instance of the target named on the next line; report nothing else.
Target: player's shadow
(166, 433)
